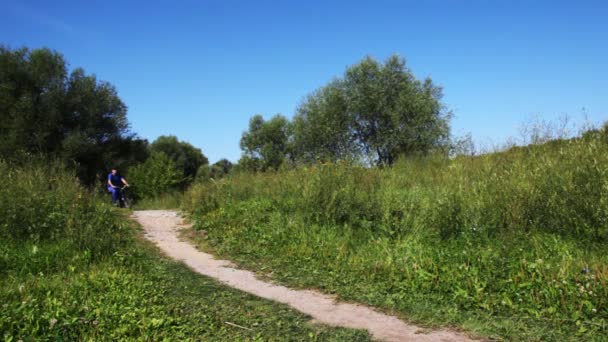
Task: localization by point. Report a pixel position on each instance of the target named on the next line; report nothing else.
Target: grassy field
(510, 245)
(72, 268)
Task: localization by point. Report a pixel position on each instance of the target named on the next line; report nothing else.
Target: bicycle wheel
(126, 202)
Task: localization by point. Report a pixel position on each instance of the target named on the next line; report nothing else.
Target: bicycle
(124, 201)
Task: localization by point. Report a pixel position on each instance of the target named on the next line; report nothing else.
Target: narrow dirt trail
(161, 227)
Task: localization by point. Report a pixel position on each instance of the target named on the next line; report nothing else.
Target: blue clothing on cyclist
(115, 184)
(115, 179)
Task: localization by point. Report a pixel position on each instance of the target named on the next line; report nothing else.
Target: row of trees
(174, 165)
(46, 110)
(376, 112)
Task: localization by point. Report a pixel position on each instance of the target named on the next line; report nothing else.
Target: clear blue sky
(200, 69)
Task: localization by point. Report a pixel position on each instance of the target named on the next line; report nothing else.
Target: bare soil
(162, 226)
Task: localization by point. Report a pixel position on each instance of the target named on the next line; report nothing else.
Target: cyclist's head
(114, 170)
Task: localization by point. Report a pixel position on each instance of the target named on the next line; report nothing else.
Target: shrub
(157, 175)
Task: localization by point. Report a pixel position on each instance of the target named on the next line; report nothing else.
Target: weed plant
(509, 245)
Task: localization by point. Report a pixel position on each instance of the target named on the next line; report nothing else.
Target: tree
(220, 169)
(266, 143)
(187, 158)
(377, 110)
(157, 175)
(43, 110)
(216, 171)
(322, 127)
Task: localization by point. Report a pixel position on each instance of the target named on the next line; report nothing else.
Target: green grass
(72, 268)
(171, 200)
(508, 246)
(135, 294)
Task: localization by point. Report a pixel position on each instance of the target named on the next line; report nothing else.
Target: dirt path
(161, 227)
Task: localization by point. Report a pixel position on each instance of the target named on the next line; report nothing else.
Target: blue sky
(200, 69)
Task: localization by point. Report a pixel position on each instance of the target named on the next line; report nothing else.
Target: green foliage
(42, 202)
(322, 127)
(46, 110)
(266, 143)
(167, 200)
(220, 169)
(73, 269)
(187, 158)
(511, 245)
(392, 113)
(376, 110)
(156, 176)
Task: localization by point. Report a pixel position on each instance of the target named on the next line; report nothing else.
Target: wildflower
(52, 322)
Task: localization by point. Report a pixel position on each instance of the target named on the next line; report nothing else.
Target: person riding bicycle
(116, 182)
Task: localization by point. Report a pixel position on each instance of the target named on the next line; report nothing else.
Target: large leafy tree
(187, 158)
(44, 109)
(266, 144)
(377, 110)
(322, 126)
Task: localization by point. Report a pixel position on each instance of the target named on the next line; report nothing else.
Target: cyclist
(115, 184)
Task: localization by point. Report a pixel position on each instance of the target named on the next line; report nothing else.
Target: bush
(41, 201)
(156, 176)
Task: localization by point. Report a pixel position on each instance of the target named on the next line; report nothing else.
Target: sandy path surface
(161, 226)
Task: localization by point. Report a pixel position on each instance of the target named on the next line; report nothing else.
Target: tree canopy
(44, 109)
(157, 175)
(220, 169)
(375, 111)
(266, 143)
(187, 158)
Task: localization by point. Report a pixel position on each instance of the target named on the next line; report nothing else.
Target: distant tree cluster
(72, 116)
(187, 158)
(172, 165)
(377, 112)
(46, 110)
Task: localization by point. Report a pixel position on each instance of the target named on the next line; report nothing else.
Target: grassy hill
(72, 268)
(510, 245)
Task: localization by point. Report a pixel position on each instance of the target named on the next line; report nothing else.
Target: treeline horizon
(374, 114)
(54, 113)
(376, 111)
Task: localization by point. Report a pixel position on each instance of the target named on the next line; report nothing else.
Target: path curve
(161, 227)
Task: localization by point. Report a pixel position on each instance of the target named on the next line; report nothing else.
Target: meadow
(508, 245)
(74, 268)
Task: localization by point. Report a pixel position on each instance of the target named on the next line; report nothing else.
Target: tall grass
(41, 202)
(72, 268)
(516, 236)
